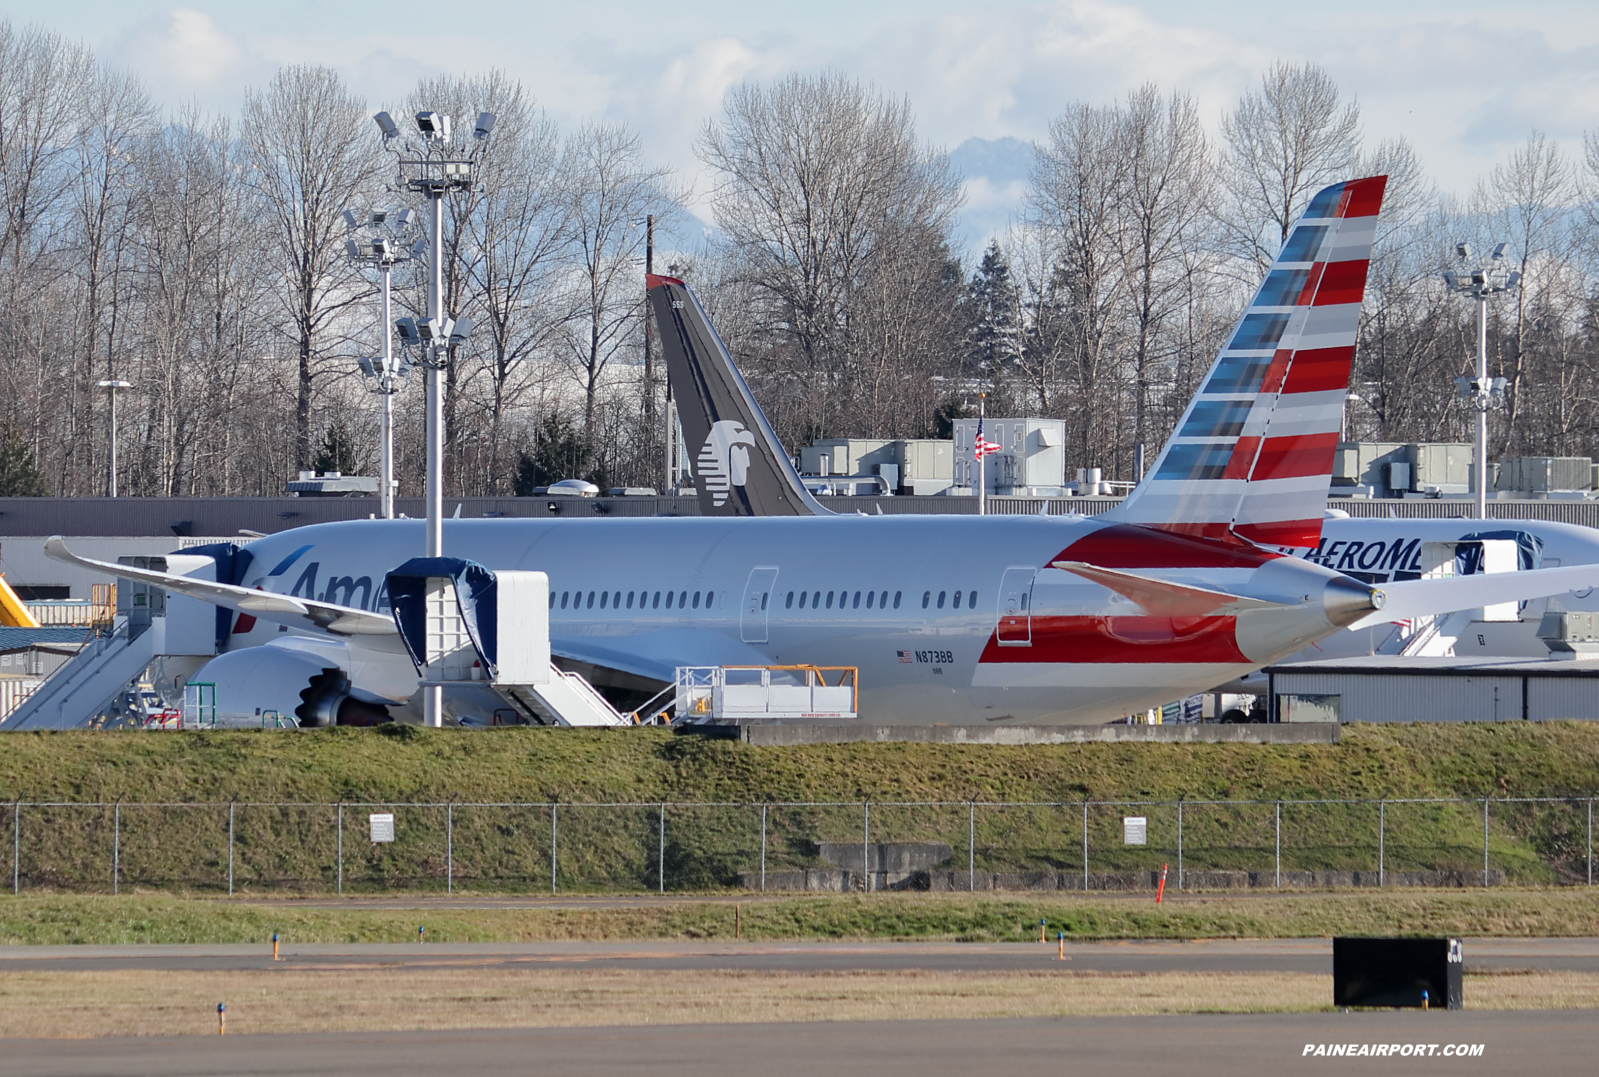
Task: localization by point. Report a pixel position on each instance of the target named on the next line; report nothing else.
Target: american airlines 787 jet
(950, 619)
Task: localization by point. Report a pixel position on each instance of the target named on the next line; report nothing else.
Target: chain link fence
(235, 847)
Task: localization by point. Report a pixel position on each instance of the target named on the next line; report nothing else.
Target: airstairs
(91, 681)
(148, 625)
(484, 637)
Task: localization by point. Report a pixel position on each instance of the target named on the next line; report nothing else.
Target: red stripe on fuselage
(1164, 546)
(1295, 457)
(1101, 640)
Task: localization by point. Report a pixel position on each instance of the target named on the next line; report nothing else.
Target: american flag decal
(905, 657)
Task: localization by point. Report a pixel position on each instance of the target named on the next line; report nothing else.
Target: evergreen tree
(18, 475)
(338, 452)
(559, 452)
(994, 333)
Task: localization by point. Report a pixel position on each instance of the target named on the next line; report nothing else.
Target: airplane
(949, 619)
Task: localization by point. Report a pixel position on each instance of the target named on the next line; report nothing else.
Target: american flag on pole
(983, 447)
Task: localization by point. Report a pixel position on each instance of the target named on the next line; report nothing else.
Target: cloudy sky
(1463, 81)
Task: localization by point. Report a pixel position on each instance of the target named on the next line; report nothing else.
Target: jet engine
(293, 678)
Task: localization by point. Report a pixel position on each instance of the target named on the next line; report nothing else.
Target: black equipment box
(1395, 972)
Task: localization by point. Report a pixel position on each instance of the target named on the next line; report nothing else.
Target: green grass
(412, 763)
(159, 919)
(69, 848)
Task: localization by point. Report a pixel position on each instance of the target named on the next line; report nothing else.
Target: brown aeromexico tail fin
(739, 467)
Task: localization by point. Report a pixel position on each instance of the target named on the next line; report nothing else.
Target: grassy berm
(184, 844)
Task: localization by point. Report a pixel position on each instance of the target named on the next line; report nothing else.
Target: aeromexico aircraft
(949, 619)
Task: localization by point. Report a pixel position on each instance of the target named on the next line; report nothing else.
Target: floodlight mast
(375, 247)
(1482, 393)
(431, 171)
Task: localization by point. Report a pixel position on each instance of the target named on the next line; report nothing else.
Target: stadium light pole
(433, 167)
(380, 241)
(111, 385)
(1482, 393)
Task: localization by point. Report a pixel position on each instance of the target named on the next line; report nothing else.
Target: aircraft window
(604, 595)
(882, 603)
(764, 597)
(616, 602)
(563, 599)
(896, 598)
(816, 600)
(971, 603)
(869, 596)
(696, 600)
(552, 600)
(941, 599)
(682, 599)
(656, 604)
(668, 600)
(630, 600)
(927, 596)
(591, 600)
(789, 604)
(803, 596)
(857, 603)
(709, 595)
(829, 600)
(1024, 600)
(957, 603)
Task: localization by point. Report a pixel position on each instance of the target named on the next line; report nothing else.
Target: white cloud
(184, 54)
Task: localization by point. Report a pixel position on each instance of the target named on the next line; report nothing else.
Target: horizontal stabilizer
(1163, 599)
(303, 613)
(1426, 598)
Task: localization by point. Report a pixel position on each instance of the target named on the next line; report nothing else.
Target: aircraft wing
(1424, 598)
(302, 613)
(1163, 598)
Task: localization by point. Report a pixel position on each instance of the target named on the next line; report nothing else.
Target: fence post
(552, 846)
(1085, 846)
(1179, 843)
(340, 853)
(1590, 841)
(971, 847)
(16, 847)
(763, 848)
(116, 846)
(866, 840)
(230, 848)
(660, 853)
(1382, 834)
(1279, 845)
(1484, 841)
(449, 846)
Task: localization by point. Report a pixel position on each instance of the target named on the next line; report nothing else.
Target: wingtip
(655, 280)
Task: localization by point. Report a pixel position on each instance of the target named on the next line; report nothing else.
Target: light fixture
(409, 334)
(460, 330)
(485, 124)
(387, 125)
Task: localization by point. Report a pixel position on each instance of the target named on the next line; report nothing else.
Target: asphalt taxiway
(1548, 1043)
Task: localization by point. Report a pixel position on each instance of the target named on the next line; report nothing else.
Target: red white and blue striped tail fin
(1252, 457)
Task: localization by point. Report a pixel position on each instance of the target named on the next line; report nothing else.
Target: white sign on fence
(1135, 830)
(382, 826)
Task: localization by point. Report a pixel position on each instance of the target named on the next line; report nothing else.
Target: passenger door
(1014, 623)
(754, 612)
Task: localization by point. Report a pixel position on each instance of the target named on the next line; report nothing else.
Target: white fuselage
(915, 602)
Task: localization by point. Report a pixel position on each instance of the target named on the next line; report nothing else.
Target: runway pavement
(1548, 1043)
(1204, 956)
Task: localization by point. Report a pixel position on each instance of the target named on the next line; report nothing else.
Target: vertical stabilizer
(1252, 456)
(739, 467)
